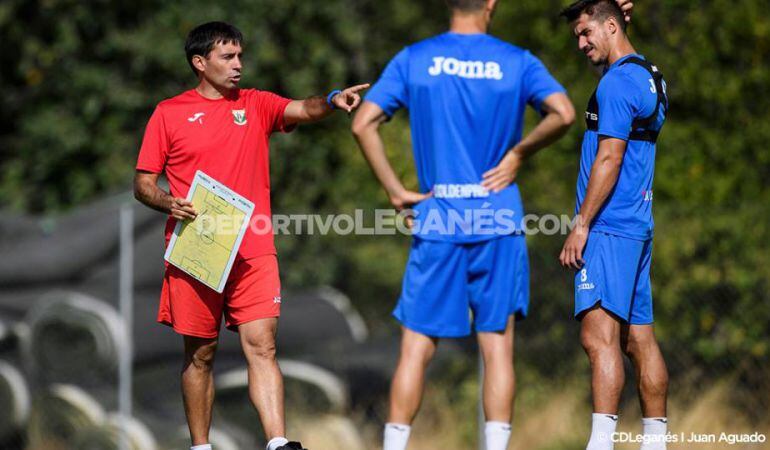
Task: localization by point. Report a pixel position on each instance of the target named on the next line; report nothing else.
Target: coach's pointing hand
(182, 209)
(349, 99)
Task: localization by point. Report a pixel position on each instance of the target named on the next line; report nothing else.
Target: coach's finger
(189, 210)
(356, 88)
(181, 215)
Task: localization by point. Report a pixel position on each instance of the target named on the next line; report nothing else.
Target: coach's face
(593, 38)
(222, 66)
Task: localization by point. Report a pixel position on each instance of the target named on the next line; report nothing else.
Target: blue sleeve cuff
(538, 103)
(613, 134)
(382, 103)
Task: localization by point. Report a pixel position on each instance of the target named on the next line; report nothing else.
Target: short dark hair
(596, 9)
(202, 39)
(466, 5)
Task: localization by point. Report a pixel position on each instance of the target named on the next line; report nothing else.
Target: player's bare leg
(499, 385)
(600, 337)
(499, 376)
(406, 390)
(640, 345)
(265, 379)
(198, 386)
(651, 373)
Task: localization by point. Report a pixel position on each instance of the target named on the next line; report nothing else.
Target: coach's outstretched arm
(316, 108)
(559, 116)
(604, 176)
(365, 128)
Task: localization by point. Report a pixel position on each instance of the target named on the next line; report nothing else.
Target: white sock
(201, 447)
(276, 442)
(497, 435)
(602, 428)
(654, 429)
(396, 436)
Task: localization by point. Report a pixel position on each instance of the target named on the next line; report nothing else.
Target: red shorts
(253, 291)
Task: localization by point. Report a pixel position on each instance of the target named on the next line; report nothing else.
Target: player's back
(466, 94)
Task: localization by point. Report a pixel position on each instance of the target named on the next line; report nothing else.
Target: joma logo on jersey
(239, 116)
(466, 69)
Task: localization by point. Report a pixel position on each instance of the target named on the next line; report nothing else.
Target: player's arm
(604, 176)
(559, 116)
(365, 128)
(315, 108)
(147, 191)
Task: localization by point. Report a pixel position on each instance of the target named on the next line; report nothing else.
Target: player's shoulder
(633, 74)
(424, 45)
(485, 42)
(178, 101)
(618, 81)
(508, 47)
(632, 69)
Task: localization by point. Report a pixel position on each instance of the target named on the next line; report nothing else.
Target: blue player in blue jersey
(610, 247)
(466, 93)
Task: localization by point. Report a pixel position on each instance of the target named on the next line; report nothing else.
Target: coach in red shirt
(224, 131)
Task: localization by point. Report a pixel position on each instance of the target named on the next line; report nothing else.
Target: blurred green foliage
(79, 79)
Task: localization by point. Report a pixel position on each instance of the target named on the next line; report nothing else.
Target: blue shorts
(444, 282)
(616, 275)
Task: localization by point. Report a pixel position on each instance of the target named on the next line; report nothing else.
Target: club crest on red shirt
(239, 116)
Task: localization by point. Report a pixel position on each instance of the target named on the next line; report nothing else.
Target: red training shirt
(227, 139)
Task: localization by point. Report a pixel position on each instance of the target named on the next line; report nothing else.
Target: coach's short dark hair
(466, 5)
(202, 39)
(596, 9)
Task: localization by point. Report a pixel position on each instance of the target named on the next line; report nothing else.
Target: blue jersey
(627, 94)
(466, 95)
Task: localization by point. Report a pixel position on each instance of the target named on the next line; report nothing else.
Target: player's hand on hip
(349, 99)
(504, 174)
(572, 254)
(406, 199)
(182, 209)
(627, 6)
